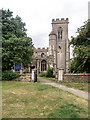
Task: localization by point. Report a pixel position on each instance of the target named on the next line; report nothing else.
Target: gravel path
(80, 93)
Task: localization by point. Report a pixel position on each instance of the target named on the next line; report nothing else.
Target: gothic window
(60, 33)
(43, 65)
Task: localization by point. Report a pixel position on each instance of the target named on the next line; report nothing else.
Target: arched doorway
(43, 65)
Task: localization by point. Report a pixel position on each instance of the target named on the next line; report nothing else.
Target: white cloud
(38, 14)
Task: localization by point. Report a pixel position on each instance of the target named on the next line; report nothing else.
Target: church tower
(59, 45)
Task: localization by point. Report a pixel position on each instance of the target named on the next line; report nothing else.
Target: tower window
(60, 33)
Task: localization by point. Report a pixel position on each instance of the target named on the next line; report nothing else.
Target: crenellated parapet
(41, 49)
(62, 20)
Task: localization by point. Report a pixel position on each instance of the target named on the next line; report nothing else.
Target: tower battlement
(57, 20)
(41, 49)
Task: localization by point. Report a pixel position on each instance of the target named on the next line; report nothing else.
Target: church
(57, 55)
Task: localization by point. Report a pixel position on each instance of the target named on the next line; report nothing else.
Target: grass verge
(37, 100)
(77, 85)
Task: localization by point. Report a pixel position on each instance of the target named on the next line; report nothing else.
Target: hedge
(9, 75)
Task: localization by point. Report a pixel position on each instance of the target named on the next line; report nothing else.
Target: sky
(38, 15)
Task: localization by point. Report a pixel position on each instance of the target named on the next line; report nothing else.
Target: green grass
(37, 100)
(80, 85)
(77, 85)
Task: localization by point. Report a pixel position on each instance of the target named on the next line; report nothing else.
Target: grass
(37, 100)
(77, 85)
(80, 85)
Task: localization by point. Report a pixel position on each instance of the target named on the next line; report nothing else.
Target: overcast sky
(38, 15)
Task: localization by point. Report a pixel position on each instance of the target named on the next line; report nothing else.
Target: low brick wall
(77, 77)
(24, 77)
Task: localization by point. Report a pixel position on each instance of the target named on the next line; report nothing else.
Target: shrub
(43, 74)
(50, 72)
(9, 75)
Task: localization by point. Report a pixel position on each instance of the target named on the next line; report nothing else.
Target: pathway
(80, 93)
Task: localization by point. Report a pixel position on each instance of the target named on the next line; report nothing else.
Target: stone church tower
(57, 56)
(59, 51)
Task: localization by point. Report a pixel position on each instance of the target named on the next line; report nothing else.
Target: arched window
(43, 65)
(60, 33)
(42, 55)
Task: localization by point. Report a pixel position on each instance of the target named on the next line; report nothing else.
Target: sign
(17, 67)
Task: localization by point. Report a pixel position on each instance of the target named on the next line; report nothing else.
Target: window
(60, 33)
(43, 65)
(42, 55)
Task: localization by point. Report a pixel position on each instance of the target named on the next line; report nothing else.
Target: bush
(9, 75)
(50, 72)
(43, 74)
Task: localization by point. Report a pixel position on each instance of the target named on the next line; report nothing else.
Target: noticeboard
(17, 67)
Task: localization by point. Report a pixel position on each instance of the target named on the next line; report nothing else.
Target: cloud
(38, 14)
(41, 40)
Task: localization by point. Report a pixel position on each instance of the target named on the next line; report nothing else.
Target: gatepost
(60, 74)
(34, 75)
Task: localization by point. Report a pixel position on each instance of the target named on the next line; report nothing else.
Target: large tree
(16, 46)
(81, 44)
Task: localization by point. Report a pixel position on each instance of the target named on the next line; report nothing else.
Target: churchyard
(37, 100)
(23, 96)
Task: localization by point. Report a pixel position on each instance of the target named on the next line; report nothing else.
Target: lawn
(77, 85)
(37, 100)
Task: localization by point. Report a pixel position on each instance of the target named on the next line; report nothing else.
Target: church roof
(52, 33)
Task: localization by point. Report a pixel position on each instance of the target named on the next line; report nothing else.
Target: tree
(16, 46)
(81, 52)
(12, 25)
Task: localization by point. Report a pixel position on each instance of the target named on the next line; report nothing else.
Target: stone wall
(77, 77)
(24, 77)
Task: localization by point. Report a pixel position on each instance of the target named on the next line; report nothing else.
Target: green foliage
(9, 75)
(81, 44)
(49, 72)
(43, 74)
(12, 25)
(17, 47)
(16, 50)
